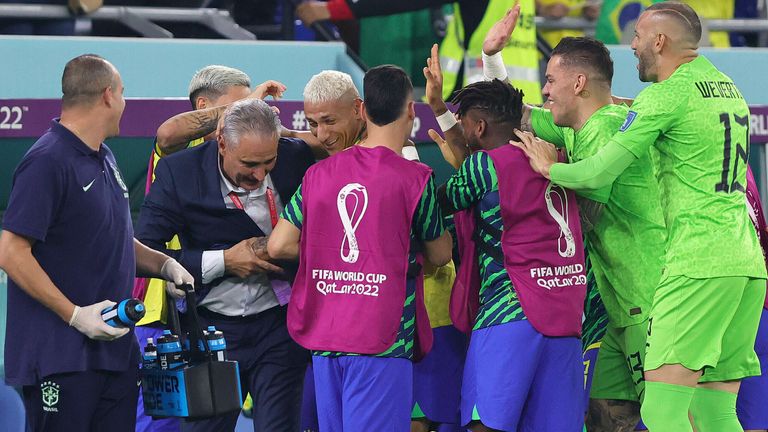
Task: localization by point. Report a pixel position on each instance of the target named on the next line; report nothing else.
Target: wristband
(493, 67)
(446, 120)
(74, 316)
(410, 153)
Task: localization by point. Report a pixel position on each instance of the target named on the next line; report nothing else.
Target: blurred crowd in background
(400, 31)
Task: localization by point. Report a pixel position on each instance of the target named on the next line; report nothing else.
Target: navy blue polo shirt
(73, 202)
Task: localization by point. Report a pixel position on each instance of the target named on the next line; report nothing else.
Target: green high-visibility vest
(520, 56)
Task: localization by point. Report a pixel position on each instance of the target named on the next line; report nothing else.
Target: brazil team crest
(119, 179)
(50, 392)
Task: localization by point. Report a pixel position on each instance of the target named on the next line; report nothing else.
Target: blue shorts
(437, 378)
(518, 380)
(753, 394)
(361, 393)
(309, 404)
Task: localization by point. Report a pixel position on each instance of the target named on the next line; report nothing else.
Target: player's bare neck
(392, 136)
(497, 138)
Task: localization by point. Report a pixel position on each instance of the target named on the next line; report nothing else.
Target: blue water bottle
(216, 343)
(124, 314)
(149, 358)
(169, 351)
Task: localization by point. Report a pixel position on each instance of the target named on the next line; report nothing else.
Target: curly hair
(502, 103)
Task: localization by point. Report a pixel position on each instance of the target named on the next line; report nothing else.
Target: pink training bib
(349, 292)
(542, 247)
(755, 208)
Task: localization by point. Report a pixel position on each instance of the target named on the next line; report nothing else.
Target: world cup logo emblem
(350, 218)
(557, 205)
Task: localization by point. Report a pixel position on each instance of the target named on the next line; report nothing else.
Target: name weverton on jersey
(718, 89)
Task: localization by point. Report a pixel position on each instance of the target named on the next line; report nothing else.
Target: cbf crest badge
(119, 179)
(50, 392)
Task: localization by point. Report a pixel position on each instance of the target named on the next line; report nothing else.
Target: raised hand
(268, 88)
(497, 37)
(434, 88)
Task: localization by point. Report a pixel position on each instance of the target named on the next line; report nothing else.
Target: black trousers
(272, 368)
(83, 401)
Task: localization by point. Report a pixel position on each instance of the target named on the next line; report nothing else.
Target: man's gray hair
(249, 116)
(215, 80)
(329, 86)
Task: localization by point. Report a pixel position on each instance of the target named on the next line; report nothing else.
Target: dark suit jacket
(185, 199)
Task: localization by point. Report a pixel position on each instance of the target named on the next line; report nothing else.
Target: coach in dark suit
(222, 198)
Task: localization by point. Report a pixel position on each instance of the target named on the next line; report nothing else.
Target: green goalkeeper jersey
(626, 243)
(699, 123)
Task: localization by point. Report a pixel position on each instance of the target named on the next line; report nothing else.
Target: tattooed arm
(174, 134)
(609, 415)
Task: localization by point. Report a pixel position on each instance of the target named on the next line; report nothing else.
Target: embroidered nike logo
(88, 186)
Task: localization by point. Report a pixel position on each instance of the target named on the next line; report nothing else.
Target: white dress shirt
(234, 296)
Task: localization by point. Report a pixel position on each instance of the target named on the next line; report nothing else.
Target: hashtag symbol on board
(299, 120)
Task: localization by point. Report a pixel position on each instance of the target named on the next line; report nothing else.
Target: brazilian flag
(614, 17)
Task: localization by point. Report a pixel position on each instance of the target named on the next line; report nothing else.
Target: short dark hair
(586, 53)
(386, 89)
(502, 103)
(84, 78)
(682, 14)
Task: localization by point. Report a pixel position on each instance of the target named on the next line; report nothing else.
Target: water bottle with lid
(169, 351)
(124, 314)
(216, 343)
(149, 359)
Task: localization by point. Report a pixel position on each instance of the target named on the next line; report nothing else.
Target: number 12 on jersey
(730, 144)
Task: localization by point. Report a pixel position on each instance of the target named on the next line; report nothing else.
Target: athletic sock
(665, 407)
(714, 411)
